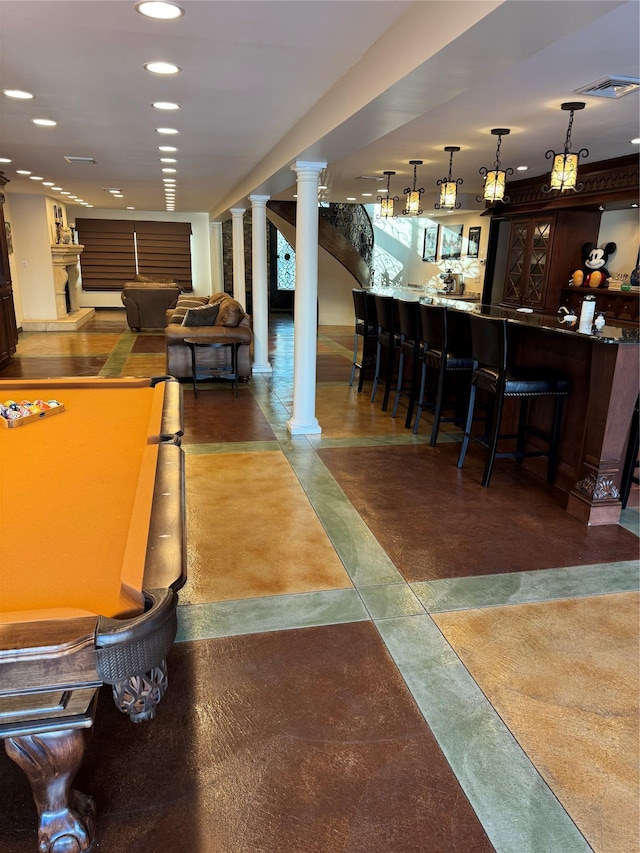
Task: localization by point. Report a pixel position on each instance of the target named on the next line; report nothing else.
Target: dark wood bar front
(604, 371)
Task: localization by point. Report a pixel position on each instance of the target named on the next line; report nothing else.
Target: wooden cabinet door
(8, 330)
(528, 262)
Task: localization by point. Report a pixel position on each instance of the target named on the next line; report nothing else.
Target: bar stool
(447, 349)
(631, 464)
(494, 373)
(366, 328)
(410, 347)
(388, 338)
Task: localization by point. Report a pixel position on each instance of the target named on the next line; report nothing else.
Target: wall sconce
(495, 179)
(412, 203)
(449, 186)
(564, 172)
(387, 201)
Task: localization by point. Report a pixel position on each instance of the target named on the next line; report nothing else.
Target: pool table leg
(139, 695)
(67, 818)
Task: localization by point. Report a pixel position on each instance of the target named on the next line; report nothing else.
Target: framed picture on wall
(430, 248)
(451, 242)
(473, 246)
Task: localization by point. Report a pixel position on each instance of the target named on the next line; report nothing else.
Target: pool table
(92, 556)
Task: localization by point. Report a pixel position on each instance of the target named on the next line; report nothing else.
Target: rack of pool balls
(14, 414)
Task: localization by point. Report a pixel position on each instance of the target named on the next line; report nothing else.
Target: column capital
(308, 166)
(214, 225)
(259, 200)
(237, 211)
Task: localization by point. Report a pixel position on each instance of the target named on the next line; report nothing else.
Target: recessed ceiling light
(166, 148)
(17, 93)
(160, 10)
(74, 197)
(130, 208)
(118, 195)
(47, 183)
(367, 194)
(165, 105)
(168, 160)
(44, 122)
(4, 160)
(65, 192)
(636, 141)
(521, 168)
(36, 178)
(170, 171)
(113, 192)
(162, 67)
(168, 131)
(635, 204)
(88, 205)
(56, 188)
(383, 190)
(351, 198)
(22, 172)
(168, 180)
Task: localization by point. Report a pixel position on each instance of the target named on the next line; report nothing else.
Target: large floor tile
(563, 675)
(252, 531)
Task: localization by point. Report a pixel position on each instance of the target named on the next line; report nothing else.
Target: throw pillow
(205, 315)
(231, 313)
(184, 303)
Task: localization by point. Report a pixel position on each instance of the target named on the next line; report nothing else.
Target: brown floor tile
(66, 343)
(333, 368)
(149, 343)
(301, 741)
(563, 675)
(24, 367)
(436, 521)
(252, 531)
(217, 415)
(145, 364)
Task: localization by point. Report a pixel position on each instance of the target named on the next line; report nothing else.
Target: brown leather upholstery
(147, 303)
(179, 355)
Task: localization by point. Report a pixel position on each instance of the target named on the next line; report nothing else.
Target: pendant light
(412, 204)
(495, 179)
(564, 172)
(387, 201)
(449, 186)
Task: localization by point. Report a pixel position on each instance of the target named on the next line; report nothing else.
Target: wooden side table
(226, 371)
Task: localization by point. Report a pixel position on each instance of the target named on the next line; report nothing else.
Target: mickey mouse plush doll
(593, 272)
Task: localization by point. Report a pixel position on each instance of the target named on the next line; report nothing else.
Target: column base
(261, 368)
(71, 323)
(299, 428)
(594, 513)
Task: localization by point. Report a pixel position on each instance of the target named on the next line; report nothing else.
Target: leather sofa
(146, 303)
(231, 320)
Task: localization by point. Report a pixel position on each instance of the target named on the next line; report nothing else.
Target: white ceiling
(364, 85)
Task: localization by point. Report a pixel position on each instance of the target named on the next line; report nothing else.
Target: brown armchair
(147, 302)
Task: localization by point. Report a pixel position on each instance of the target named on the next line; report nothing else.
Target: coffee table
(225, 371)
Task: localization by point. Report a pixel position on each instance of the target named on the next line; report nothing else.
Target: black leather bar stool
(631, 464)
(410, 348)
(389, 339)
(366, 327)
(447, 350)
(494, 373)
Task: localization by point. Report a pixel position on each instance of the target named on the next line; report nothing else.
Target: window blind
(116, 250)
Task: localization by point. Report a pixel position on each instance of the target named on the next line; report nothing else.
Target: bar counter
(604, 371)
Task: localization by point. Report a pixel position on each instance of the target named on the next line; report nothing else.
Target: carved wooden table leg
(50, 761)
(139, 695)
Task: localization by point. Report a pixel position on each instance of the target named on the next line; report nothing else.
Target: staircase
(344, 230)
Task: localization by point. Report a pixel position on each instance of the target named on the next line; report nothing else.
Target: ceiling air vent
(369, 178)
(81, 160)
(611, 87)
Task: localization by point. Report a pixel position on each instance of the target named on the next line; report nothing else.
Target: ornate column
(66, 270)
(304, 421)
(260, 284)
(217, 268)
(239, 293)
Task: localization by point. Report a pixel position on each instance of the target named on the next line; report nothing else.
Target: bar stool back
(411, 348)
(494, 373)
(366, 327)
(389, 339)
(447, 349)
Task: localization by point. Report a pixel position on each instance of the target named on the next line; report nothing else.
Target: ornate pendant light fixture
(412, 204)
(495, 179)
(387, 201)
(449, 186)
(564, 172)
